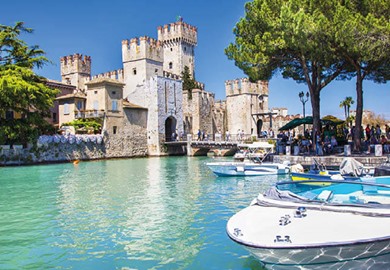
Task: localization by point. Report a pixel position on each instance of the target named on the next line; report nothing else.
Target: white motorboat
(248, 168)
(343, 226)
(250, 151)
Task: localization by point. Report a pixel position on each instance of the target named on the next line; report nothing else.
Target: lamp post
(303, 100)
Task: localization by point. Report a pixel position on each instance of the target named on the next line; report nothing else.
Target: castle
(146, 93)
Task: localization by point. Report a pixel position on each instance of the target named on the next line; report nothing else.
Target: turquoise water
(151, 213)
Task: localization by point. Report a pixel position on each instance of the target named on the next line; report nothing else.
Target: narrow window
(66, 108)
(79, 105)
(114, 105)
(156, 71)
(134, 71)
(114, 129)
(170, 65)
(54, 118)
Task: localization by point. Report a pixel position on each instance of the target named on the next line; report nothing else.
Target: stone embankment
(64, 148)
(332, 160)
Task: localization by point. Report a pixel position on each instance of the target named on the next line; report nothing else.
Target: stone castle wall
(198, 110)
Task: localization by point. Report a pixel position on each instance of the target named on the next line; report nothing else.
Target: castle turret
(244, 86)
(142, 59)
(245, 103)
(76, 70)
(179, 40)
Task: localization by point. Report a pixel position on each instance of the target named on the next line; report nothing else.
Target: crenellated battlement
(76, 63)
(114, 74)
(178, 31)
(167, 74)
(142, 48)
(244, 86)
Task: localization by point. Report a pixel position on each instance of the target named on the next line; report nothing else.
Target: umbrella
(308, 120)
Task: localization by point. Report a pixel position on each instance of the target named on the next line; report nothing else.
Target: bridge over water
(201, 148)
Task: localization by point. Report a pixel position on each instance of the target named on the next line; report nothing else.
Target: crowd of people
(327, 141)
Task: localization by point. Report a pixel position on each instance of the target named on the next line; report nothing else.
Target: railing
(237, 138)
(89, 114)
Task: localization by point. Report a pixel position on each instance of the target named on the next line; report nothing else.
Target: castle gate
(170, 128)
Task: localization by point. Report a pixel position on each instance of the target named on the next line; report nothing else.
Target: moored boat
(349, 169)
(248, 168)
(342, 226)
(250, 151)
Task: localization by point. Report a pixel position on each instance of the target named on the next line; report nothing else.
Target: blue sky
(96, 28)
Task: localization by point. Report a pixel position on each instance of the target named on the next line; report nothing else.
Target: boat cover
(285, 195)
(352, 167)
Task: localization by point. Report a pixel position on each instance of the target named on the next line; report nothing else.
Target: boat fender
(337, 177)
(298, 168)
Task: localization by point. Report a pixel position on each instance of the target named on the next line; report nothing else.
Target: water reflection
(167, 213)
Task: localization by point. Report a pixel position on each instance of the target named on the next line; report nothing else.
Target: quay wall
(64, 149)
(330, 161)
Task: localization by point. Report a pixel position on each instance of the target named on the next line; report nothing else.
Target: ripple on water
(154, 213)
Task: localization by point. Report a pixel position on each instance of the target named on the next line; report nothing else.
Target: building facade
(149, 85)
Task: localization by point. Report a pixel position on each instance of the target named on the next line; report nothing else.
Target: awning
(309, 120)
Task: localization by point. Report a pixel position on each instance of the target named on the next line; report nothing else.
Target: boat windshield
(370, 191)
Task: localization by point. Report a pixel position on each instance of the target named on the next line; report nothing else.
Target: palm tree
(346, 104)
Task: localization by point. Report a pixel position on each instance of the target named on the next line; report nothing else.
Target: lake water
(149, 213)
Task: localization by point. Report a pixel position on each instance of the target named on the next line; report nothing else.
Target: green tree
(362, 36)
(289, 36)
(346, 104)
(22, 92)
(189, 82)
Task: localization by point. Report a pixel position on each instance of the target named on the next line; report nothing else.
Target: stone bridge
(220, 148)
(201, 148)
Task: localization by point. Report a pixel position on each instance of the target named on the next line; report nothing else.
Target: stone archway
(170, 128)
(259, 126)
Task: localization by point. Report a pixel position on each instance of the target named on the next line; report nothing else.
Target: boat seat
(324, 195)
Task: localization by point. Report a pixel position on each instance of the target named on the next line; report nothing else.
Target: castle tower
(142, 59)
(75, 70)
(179, 40)
(245, 104)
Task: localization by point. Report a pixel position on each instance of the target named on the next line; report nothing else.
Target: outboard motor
(384, 169)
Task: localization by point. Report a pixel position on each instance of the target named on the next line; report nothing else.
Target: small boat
(248, 168)
(342, 226)
(250, 151)
(350, 169)
(252, 165)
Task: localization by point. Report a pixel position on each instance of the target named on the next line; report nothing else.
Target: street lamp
(303, 100)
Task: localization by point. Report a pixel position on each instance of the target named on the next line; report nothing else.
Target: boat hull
(375, 255)
(247, 169)
(297, 176)
(322, 239)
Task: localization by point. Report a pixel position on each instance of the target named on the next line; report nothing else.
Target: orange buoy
(76, 162)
